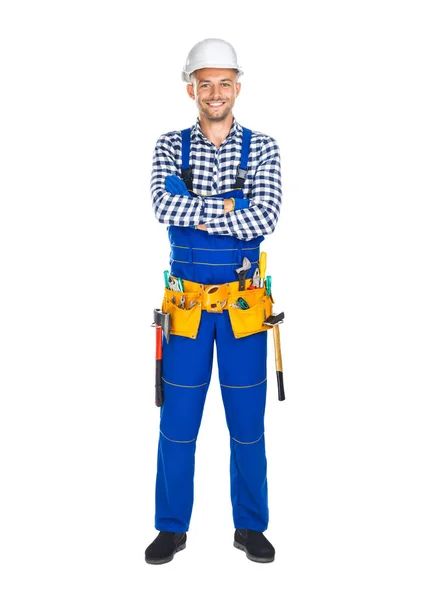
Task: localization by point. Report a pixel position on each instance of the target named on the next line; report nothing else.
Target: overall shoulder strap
(186, 170)
(242, 168)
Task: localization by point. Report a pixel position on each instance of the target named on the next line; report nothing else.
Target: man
(217, 186)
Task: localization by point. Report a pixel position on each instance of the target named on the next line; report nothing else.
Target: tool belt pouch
(250, 320)
(184, 321)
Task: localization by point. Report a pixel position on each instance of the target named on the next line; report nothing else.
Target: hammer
(162, 324)
(274, 321)
(241, 272)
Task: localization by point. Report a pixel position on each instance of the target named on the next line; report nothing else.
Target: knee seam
(254, 442)
(176, 441)
(244, 386)
(183, 386)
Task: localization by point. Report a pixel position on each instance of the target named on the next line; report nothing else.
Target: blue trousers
(186, 372)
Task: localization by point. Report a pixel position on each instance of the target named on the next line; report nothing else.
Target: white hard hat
(211, 52)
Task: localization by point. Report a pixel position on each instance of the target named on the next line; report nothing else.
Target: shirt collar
(197, 134)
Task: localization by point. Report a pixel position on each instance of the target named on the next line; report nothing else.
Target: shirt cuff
(219, 226)
(212, 208)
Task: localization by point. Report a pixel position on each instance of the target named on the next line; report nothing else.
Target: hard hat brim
(186, 75)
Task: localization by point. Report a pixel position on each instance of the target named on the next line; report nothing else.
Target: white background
(87, 87)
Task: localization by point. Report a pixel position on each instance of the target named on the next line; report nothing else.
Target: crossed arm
(252, 218)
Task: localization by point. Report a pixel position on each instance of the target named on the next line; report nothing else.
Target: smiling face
(214, 91)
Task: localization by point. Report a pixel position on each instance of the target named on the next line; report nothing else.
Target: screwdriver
(262, 267)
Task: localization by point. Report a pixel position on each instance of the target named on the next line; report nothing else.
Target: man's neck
(216, 131)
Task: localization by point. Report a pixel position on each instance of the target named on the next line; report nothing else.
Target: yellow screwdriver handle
(262, 266)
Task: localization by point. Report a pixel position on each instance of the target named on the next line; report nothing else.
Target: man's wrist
(229, 205)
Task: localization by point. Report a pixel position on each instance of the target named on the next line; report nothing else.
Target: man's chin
(216, 118)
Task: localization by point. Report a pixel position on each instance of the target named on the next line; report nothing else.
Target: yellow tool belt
(196, 297)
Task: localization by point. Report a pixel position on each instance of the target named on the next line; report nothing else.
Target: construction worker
(217, 186)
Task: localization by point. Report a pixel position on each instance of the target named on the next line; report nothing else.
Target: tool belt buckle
(214, 298)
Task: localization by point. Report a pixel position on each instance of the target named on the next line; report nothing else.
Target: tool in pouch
(241, 303)
(176, 284)
(183, 306)
(242, 271)
(173, 283)
(255, 280)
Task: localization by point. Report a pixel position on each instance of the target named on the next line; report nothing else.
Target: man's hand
(202, 226)
(175, 185)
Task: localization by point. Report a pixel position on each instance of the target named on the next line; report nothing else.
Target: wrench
(241, 272)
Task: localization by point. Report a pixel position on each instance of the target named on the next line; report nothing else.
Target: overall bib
(200, 258)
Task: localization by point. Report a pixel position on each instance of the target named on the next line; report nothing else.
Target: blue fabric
(198, 256)
(186, 373)
(247, 135)
(175, 185)
(186, 142)
(241, 203)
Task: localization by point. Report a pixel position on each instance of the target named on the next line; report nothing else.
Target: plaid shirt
(214, 172)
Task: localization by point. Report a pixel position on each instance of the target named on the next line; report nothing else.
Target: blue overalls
(186, 372)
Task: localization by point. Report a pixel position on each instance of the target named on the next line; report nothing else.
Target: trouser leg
(186, 372)
(243, 378)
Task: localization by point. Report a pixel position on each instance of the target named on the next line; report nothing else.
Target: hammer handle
(158, 382)
(278, 355)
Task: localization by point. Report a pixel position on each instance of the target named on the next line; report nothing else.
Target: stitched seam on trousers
(238, 442)
(193, 262)
(244, 386)
(238, 480)
(184, 386)
(177, 441)
(215, 249)
(221, 264)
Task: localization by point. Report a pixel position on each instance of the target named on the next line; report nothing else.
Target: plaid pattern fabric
(214, 172)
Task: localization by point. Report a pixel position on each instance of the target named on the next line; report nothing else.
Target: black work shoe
(163, 548)
(255, 544)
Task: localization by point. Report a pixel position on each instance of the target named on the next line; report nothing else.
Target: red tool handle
(158, 384)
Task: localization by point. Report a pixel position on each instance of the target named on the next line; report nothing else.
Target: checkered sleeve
(174, 209)
(264, 201)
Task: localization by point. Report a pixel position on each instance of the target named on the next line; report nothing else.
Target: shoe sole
(169, 558)
(251, 556)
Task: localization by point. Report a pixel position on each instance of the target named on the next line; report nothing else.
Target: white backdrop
(87, 88)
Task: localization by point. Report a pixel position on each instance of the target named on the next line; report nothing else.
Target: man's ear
(238, 88)
(190, 91)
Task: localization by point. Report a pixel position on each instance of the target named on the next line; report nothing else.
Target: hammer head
(274, 319)
(163, 320)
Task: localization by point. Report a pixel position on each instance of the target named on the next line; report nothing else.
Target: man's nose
(216, 90)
